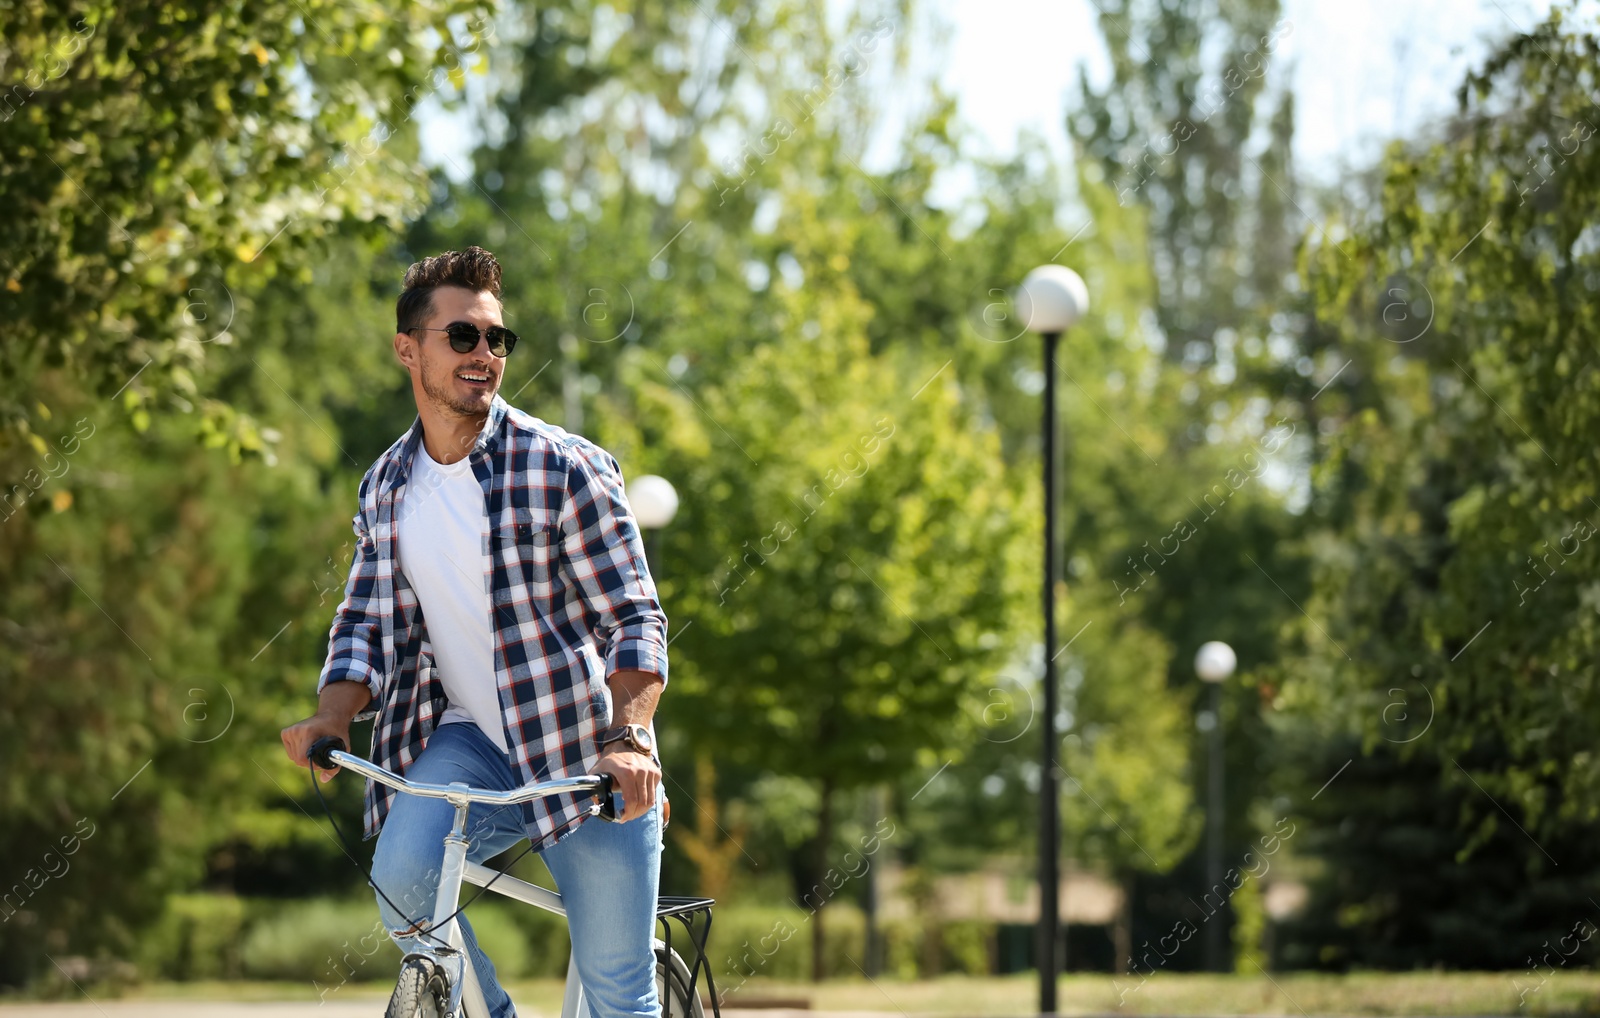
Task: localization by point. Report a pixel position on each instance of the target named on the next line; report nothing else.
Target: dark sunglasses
(464, 337)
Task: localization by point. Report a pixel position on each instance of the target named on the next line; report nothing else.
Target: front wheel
(422, 991)
(672, 986)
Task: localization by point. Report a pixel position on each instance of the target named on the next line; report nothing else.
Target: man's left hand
(634, 775)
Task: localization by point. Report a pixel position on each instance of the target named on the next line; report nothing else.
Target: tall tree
(157, 154)
(1194, 130)
(856, 541)
(1454, 592)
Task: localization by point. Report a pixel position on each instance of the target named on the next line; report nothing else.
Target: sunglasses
(464, 337)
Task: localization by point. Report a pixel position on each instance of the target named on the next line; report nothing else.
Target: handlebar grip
(610, 801)
(318, 753)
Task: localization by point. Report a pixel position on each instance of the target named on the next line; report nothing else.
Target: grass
(1289, 994)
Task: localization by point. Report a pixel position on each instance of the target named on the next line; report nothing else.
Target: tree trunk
(820, 890)
(1122, 929)
(872, 963)
(871, 893)
(712, 850)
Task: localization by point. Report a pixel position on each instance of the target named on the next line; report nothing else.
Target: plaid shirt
(571, 598)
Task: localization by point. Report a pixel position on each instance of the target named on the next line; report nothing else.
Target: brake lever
(609, 800)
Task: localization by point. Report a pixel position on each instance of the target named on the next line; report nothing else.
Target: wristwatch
(636, 736)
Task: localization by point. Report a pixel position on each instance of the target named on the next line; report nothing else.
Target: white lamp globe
(1051, 299)
(654, 500)
(1215, 661)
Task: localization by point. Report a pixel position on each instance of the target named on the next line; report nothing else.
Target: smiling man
(501, 625)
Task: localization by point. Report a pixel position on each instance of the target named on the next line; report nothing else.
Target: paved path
(354, 1008)
(196, 1009)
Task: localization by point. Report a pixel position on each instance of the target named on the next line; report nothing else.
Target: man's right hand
(337, 705)
(297, 738)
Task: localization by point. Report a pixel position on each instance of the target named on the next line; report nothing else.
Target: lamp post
(1214, 663)
(1051, 300)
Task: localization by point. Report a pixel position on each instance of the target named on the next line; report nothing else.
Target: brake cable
(350, 854)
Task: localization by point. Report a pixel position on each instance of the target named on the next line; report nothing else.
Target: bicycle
(437, 979)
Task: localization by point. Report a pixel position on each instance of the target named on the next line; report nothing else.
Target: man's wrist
(342, 699)
(634, 736)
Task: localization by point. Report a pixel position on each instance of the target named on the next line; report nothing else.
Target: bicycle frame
(464, 986)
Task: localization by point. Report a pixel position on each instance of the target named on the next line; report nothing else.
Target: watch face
(640, 738)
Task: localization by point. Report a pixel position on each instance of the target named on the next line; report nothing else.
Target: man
(543, 654)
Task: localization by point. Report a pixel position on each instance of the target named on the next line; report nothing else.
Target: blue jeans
(607, 874)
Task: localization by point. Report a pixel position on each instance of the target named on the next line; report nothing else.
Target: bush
(967, 946)
(199, 936)
(775, 943)
(902, 949)
(328, 943)
(961, 945)
(332, 942)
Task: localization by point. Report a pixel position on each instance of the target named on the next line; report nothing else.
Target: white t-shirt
(444, 555)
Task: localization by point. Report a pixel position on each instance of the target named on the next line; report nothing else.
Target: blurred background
(1334, 404)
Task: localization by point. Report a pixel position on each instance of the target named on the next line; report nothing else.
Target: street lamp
(1214, 663)
(1050, 300)
(654, 501)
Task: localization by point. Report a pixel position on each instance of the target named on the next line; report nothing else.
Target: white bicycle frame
(464, 986)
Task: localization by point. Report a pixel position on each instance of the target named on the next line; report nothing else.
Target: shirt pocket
(526, 545)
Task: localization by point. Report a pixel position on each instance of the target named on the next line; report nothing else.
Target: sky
(1363, 70)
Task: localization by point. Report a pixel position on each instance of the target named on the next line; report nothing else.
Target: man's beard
(444, 398)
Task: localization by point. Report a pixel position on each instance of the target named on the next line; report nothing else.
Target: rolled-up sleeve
(355, 641)
(603, 552)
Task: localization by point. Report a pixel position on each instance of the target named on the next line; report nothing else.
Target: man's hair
(474, 269)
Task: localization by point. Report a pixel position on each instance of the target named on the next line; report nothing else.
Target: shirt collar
(487, 444)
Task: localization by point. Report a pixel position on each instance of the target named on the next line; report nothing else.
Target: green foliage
(159, 606)
(1193, 136)
(329, 942)
(171, 172)
(966, 945)
(1453, 591)
(877, 545)
(775, 944)
(162, 157)
(1191, 100)
(199, 936)
(325, 942)
(1249, 923)
(1415, 876)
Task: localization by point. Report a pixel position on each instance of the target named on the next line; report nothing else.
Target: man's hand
(297, 738)
(634, 775)
(338, 705)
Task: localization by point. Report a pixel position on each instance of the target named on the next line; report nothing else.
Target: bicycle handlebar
(328, 752)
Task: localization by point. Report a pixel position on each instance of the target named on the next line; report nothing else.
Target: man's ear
(405, 350)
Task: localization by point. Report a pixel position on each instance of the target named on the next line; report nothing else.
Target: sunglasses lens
(501, 341)
(463, 338)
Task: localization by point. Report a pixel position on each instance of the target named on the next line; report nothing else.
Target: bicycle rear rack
(688, 911)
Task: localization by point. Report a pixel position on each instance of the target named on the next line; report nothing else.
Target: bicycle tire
(421, 991)
(672, 986)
